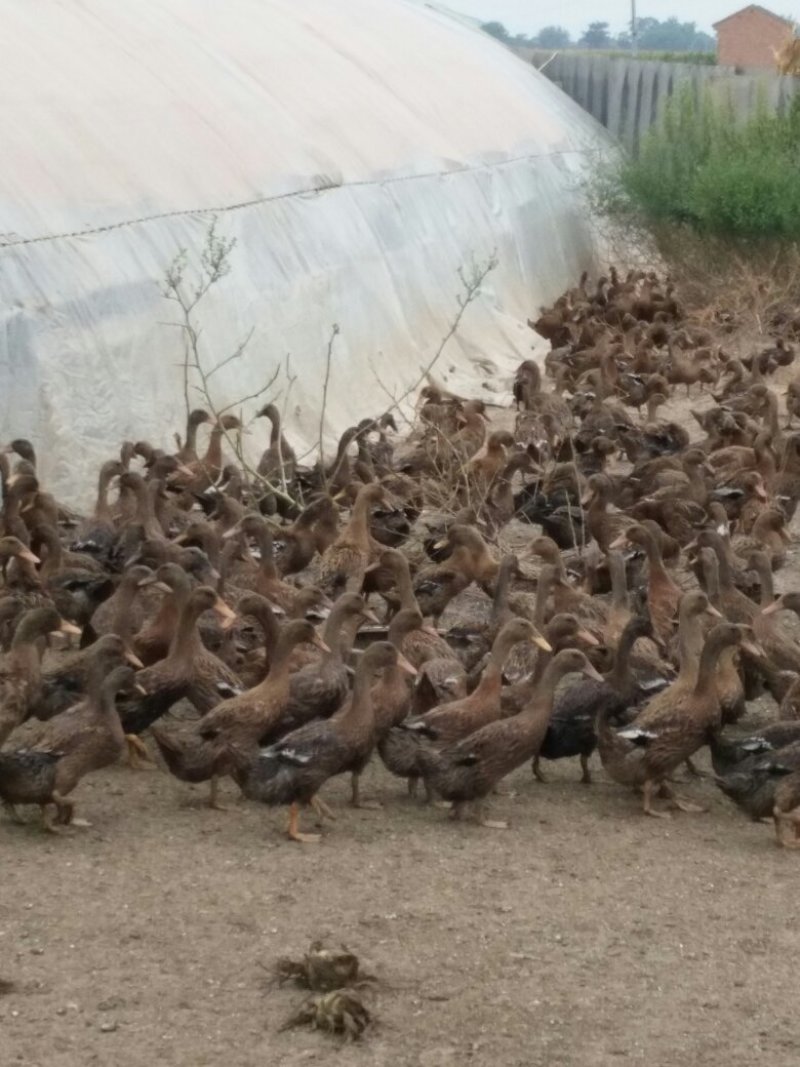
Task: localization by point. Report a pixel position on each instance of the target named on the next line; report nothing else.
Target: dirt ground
(584, 935)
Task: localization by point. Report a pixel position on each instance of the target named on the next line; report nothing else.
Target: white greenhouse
(359, 152)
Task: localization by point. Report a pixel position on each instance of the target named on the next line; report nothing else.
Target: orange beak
(134, 661)
(317, 640)
(68, 628)
(404, 665)
(225, 614)
(26, 554)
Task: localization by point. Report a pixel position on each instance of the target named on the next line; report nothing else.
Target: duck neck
(190, 444)
(212, 460)
(359, 711)
(102, 509)
(186, 643)
(359, 519)
(619, 676)
(764, 571)
(539, 708)
(340, 633)
(405, 587)
(500, 600)
(619, 585)
(706, 683)
(266, 550)
(55, 554)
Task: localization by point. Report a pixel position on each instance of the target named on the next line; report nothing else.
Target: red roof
(755, 7)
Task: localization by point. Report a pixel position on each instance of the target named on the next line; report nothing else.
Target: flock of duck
(283, 625)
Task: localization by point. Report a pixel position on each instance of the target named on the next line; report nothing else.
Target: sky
(528, 16)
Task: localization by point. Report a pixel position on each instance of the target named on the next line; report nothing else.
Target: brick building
(748, 38)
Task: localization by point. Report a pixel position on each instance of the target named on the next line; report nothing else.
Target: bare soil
(584, 935)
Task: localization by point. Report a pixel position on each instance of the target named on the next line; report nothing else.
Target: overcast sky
(528, 16)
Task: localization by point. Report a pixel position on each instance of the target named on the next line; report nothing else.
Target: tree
(552, 37)
(496, 29)
(672, 36)
(596, 36)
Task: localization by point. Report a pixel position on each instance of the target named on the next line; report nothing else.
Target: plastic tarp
(359, 152)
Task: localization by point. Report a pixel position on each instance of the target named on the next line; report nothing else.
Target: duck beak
(134, 661)
(440, 544)
(429, 630)
(588, 638)
(770, 609)
(181, 539)
(590, 672)
(541, 642)
(68, 628)
(233, 532)
(784, 535)
(162, 587)
(226, 615)
(184, 470)
(404, 665)
(586, 499)
(752, 648)
(370, 616)
(761, 492)
(140, 689)
(711, 610)
(317, 640)
(621, 542)
(29, 556)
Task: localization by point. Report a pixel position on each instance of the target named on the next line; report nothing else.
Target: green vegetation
(701, 167)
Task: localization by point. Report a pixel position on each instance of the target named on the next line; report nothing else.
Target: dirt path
(585, 934)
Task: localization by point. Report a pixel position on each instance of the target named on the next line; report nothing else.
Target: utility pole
(634, 30)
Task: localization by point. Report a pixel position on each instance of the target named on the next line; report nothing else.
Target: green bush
(701, 166)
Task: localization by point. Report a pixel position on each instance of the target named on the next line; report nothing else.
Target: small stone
(111, 1004)
(108, 1027)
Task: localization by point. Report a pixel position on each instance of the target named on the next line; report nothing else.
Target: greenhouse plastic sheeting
(359, 152)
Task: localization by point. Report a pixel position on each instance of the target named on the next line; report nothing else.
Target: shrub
(701, 166)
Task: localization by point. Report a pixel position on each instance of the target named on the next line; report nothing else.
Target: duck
(188, 671)
(200, 751)
(663, 593)
(278, 463)
(465, 772)
(401, 751)
(63, 683)
(187, 451)
(752, 784)
(123, 613)
(96, 535)
(669, 729)
(292, 771)
(312, 532)
(469, 560)
(20, 669)
(318, 689)
(344, 562)
(86, 738)
(571, 730)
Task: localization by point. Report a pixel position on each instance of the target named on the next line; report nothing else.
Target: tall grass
(702, 167)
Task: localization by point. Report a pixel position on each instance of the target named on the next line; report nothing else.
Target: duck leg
(787, 828)
(648, 789)
(355, 793)
(322, 809)
(693, 771)
(13, 814)
(490, 824)
(137, 752)
(679, 802)
(586, 775)
(50, 822)
(294, 831)
(537, 771)
(213, 796)
(413, 784)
